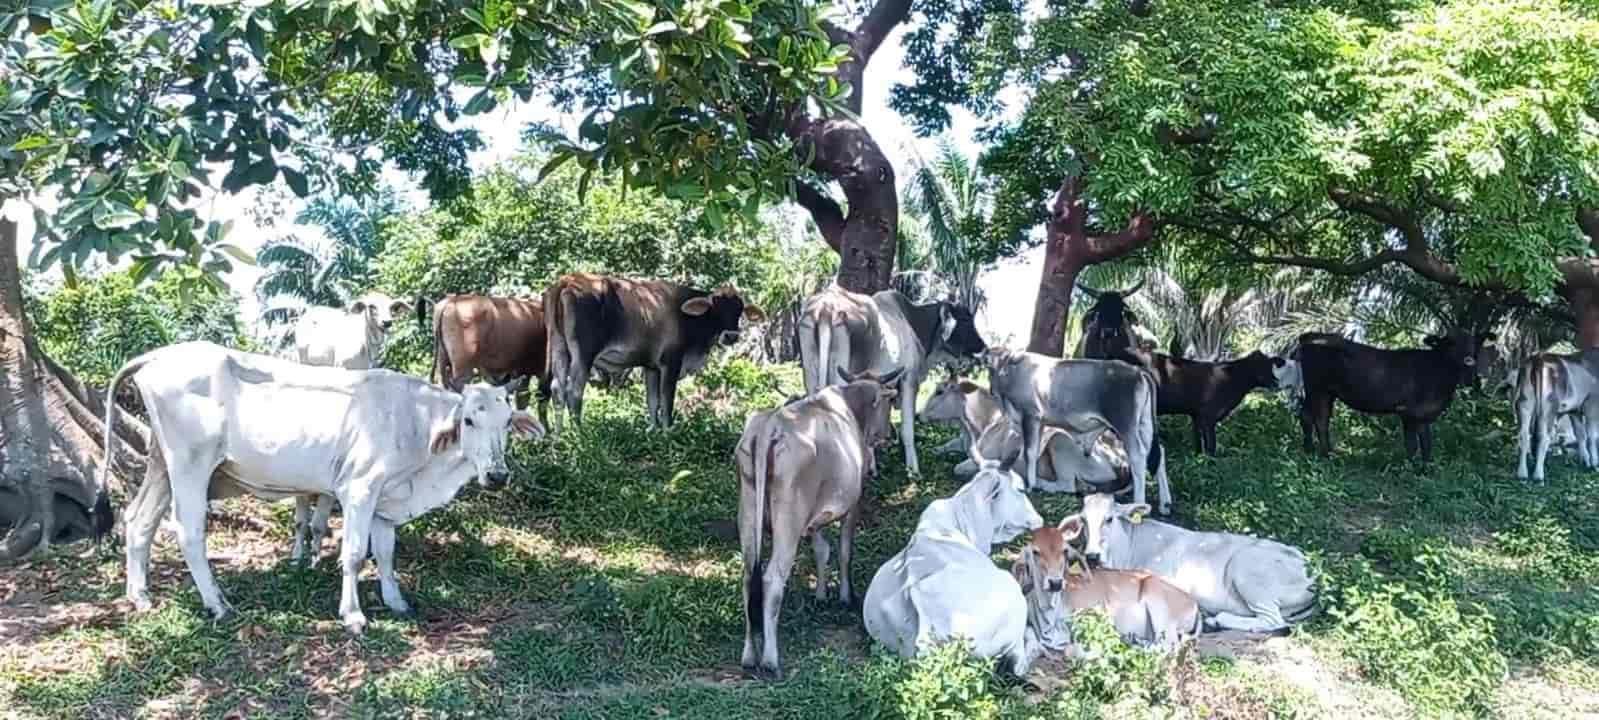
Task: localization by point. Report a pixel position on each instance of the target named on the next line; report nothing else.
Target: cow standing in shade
(839, 329)
(1207, 392)
(501, 337)
(390, 447)
(614, 323)
(1418, 385)
(1552, 387)
(802, 465)
(352, 339)
(1109, 327)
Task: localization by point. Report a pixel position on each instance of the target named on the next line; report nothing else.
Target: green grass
(603, 583)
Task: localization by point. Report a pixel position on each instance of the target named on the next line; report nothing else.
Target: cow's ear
(400, 307)
(946, 320)
(1022, 569)
(1135, 513)
(754, 314)
(1433, 341)
(447, 434)
(1071, 526)
(526, 425)
(697, 306)
(358, 306)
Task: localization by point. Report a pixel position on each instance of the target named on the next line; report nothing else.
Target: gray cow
(1550, 388)
(1081, 396)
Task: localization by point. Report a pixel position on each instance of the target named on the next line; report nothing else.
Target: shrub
(946, 683)
(1115, 670)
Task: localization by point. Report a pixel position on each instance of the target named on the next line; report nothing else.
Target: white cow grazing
(352, 339)
(1240, 582)
(880, 333)
(944, 585)
(390, 447)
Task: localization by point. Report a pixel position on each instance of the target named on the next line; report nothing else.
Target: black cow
(1106, 330)
(1207, 392)
(1415, 384)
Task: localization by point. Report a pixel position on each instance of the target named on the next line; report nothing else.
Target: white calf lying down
(1240, 582)
(390, 447)
(803, 465)
(1073, 462)
(944, 585)
(1146, 610)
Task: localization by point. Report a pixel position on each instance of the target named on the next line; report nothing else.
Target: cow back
(1413, 382)
(498, 335)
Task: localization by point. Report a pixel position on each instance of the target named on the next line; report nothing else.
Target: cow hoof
(220, 614)
(773, 673)
(355, 624)
(141, 602)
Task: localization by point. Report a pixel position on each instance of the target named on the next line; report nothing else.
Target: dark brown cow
(501, 337)
(613, 323)
(1207, 392)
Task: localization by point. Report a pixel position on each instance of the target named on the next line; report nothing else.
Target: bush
(1116, 670)
(946, 683)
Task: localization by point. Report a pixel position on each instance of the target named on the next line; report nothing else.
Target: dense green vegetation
(602, 583)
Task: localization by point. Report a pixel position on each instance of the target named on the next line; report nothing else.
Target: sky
(1009, 287)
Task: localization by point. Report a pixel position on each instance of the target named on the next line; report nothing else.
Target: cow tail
(422, 306)
(1540, 385)
(764, 446)
(100, 515)
(1155, 455)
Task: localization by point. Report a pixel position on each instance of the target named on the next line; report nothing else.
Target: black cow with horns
(1106, 327)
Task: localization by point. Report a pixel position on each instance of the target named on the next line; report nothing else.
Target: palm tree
(947, 202)
(299, 272)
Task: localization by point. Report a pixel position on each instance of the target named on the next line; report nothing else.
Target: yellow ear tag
(1136, 518)
(1076, 569)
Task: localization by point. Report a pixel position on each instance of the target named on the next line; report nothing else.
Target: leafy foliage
(947, 198)
(328, 272)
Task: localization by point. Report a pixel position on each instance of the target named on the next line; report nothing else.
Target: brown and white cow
(1550, 387)
(803, 465)
(875, 333)
(1146, 609)
(501, 337)
(614, 323)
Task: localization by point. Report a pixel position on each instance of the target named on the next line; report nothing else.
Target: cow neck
(926, 322)
(972, 518)
(1147, 534)
(374, 340)
(855, 397)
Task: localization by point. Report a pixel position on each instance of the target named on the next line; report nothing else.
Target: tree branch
(1069, 216)
(884, 17)
(1588, 220)
(829, 217)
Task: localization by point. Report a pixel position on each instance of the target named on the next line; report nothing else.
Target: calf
(804, 463)
(224, 422)
(1073, 464)
(1240, 582)
(614, 323)
(501, 337)
(1082, 396)
(1415, 384)
(848, 330)
(1552, 387)
(943, 585)
(1207, 392)
(1145, 609)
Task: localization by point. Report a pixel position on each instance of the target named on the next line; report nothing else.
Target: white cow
(1551, 388)
(1240, 582)
(944, 585)
(223, 422)
(352, 339)
(880, 333)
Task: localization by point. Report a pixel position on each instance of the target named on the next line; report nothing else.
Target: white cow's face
(948, 402)
(1012, 512)
(380, 309)
(1108, 524)
(486, 416)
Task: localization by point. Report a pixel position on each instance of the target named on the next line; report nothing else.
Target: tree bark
(1580, 283)
(51, 432)
(1068, 248)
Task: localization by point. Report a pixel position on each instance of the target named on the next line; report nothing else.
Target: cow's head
(1266, 371)
(958, 331)
(1043, 564)
(723, 310)
(1108, 527)
(1458, 351)
(1109, 318)
(948, 401)
(379, 309)
(479, 425)
(870, 396)
(1002, 490)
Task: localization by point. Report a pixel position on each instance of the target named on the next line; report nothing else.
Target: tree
(298, 271)
(949, 197)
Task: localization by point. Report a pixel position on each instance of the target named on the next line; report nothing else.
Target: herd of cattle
(389, 447)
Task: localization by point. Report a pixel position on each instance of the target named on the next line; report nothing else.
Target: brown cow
(613, 323)
(803, 465)
(501, 337)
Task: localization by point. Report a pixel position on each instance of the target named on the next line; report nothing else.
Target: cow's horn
(1088, 290)
(1136, 286)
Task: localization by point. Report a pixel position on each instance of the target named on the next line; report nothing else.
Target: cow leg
(668, 402)
(1162, 487)
(1199, 435)
(1546, 432)
(1032, 430)
(1412, 431)
(302, 527)
(1524, 421)
(652, 395)
(1322, 412)
(1426, 443)
(1210, 437)
(358, 518)
(824, 555)
(141, 521)
(1307, 425)
(785, 541)
(383, 553)
(320, 531)
(846, 551)
(907, 425)
(190, 483)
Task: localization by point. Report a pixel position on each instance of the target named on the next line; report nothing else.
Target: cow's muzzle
(730, 337)
(1054, 584)
(496, 479)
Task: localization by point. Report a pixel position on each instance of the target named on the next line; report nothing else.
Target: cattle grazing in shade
(223, 422)
(878, 333)
(352, 339)
(1082, 396)
(943, 585)
(802, 465)
(1551, 387)
(1145, 609)
(1240, 582)
(1108, 326)
(614, 323)
(501, 337)
(1092, 462)
(1207, 392)
(1416, 384)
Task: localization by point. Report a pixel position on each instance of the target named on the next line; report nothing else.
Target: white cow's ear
(1135, 513)
(946, 323)
(358, 306)
(1022, 569)
(1071, 527)
(526, 425)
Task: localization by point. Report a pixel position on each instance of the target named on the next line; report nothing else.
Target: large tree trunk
(51, 432)
(1580, 283)
(1068, 248)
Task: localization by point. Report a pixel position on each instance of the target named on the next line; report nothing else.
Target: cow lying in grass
(1145, 609)
(1240, 582)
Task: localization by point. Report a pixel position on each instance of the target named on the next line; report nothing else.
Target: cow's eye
(469, 422)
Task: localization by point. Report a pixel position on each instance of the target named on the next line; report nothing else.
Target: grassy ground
(603, 584)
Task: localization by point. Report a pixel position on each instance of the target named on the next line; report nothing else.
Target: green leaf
(31, 142)
(482, 102)
(296, 181)
(713, 214)
(560, 158)
(112, 215)
(470, 41)
(660, 27)
(237, 253)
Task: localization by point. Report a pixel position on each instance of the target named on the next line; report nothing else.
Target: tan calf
(803, 465)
